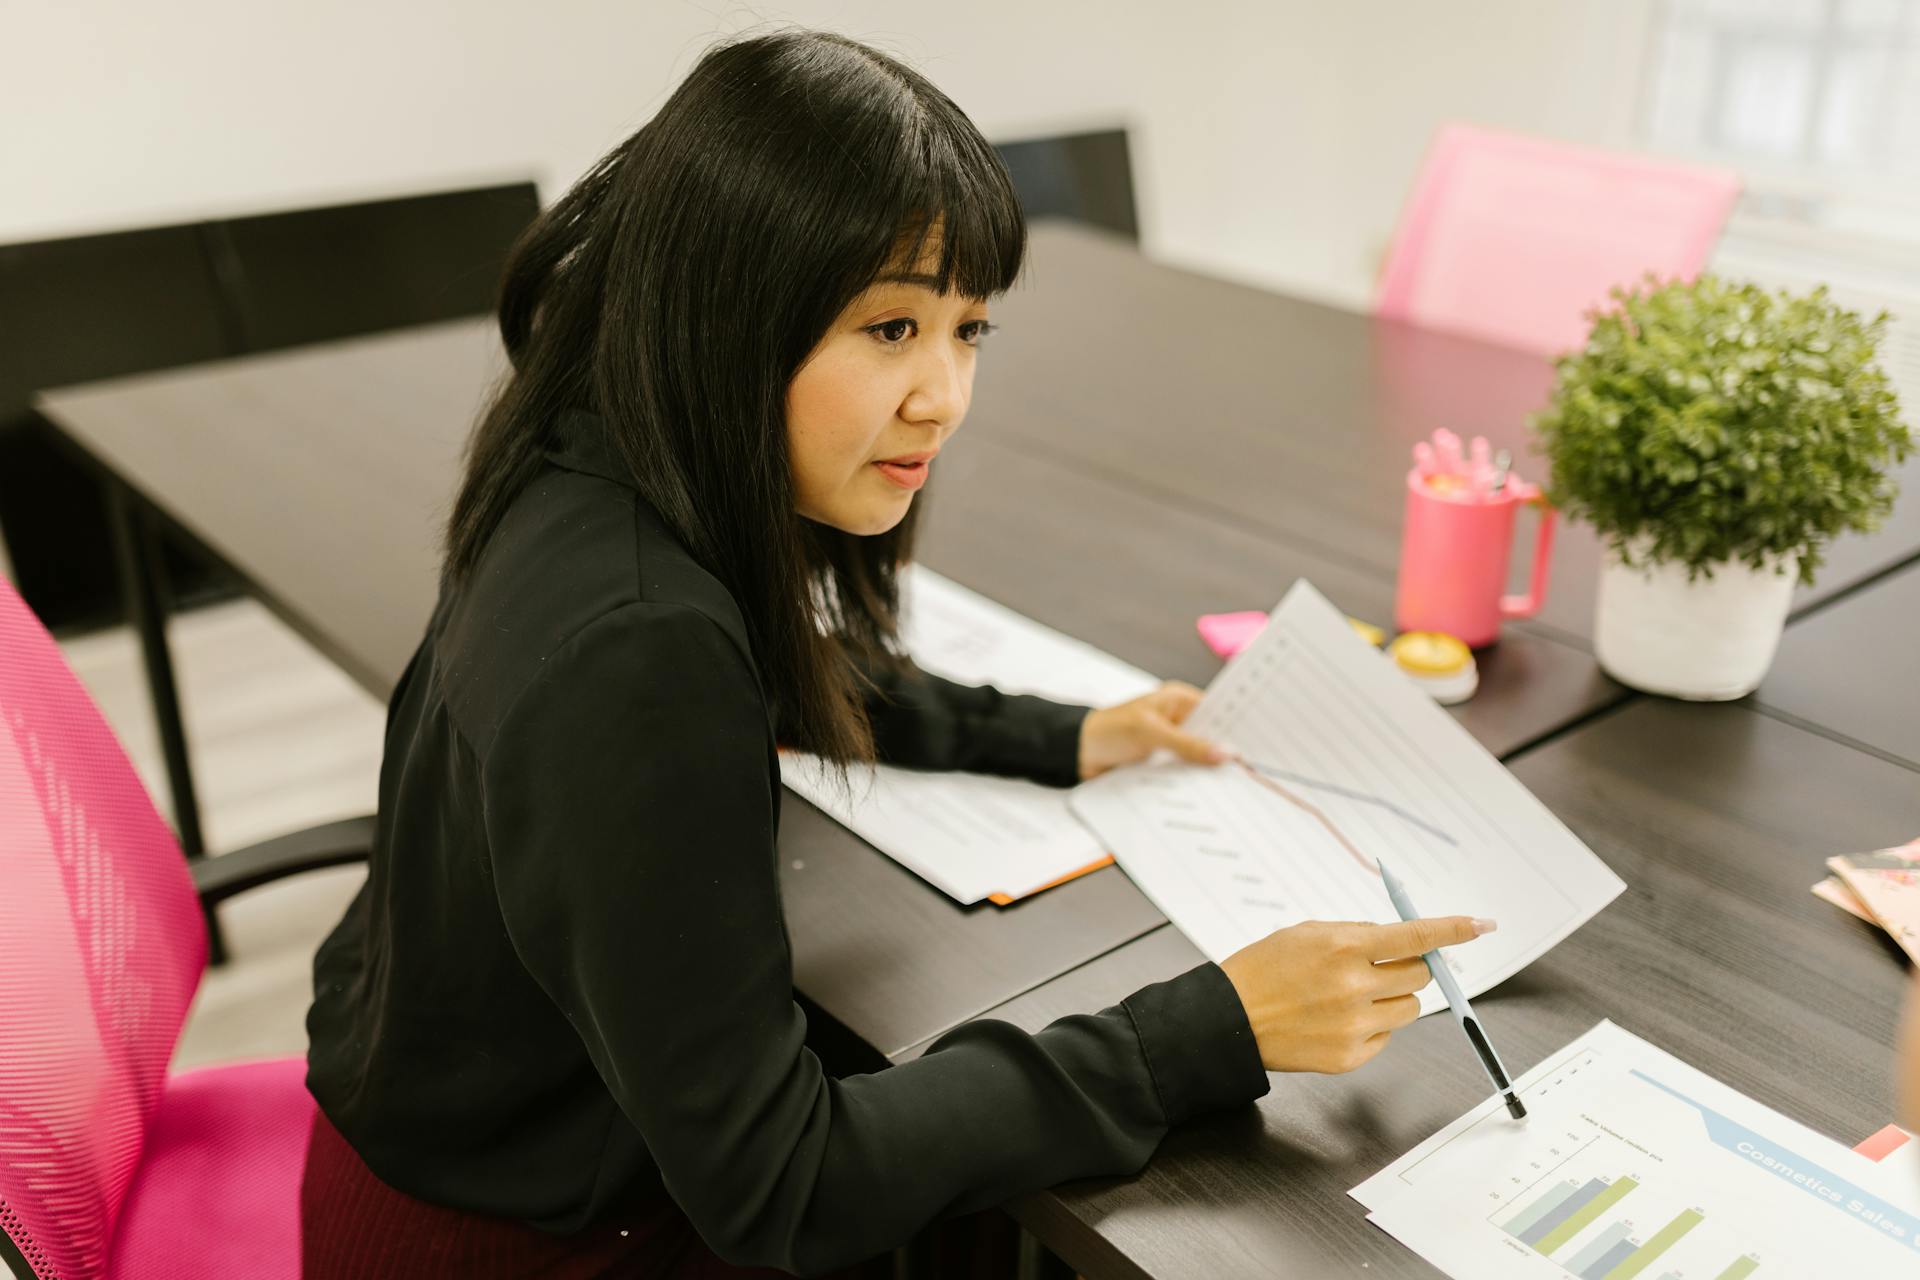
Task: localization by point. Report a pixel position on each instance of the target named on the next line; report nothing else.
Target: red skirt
(355, 1227)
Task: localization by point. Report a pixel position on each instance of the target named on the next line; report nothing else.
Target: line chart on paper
(1341, 762)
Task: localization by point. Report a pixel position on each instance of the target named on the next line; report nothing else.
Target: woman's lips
(907, 476)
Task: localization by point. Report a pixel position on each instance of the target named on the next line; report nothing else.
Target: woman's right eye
(893, 332)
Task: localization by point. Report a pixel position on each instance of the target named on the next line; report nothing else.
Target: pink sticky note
(1228, 633)
(1884, 1143)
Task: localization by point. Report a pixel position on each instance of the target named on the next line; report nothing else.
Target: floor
(280, 739)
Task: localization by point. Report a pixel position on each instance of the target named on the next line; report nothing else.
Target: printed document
(1632, 1163)
(970, 835)
(1342, 760)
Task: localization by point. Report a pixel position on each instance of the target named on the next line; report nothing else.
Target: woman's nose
(940, 393)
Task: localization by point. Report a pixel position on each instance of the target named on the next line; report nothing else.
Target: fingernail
(1484, 926)
(1220, 755)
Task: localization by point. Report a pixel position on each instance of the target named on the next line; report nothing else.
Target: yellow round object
(1430, 653)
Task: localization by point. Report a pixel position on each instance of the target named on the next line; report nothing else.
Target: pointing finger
(1417, 937)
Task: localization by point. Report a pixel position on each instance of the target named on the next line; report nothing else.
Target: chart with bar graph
(1549, 1222)
(1342, 761)
(1633, 1164)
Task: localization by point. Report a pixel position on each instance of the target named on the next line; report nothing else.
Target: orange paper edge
(1003, 900)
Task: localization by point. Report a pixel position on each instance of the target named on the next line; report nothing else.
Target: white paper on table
(1346, 760)
(1695, 1179)
(970, 835)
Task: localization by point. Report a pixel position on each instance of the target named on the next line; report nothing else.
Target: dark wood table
(1853, 671)
(1717, 817)
(1282, 415)
(1132, 571)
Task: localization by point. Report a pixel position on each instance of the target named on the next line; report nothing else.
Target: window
(1822, 86)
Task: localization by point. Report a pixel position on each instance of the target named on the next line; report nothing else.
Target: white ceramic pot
(1707, 640)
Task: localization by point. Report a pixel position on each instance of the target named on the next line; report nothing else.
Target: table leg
(143, 584)
(1037, 1262)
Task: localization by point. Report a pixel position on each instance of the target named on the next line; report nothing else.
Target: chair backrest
(312, 275)
(1514, 239)
(1087, 177)
(101, 946)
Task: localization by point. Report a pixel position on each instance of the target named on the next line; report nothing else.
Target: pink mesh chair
(1513, 239)
(108, 1166)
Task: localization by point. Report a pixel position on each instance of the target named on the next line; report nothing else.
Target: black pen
(1456, 1000)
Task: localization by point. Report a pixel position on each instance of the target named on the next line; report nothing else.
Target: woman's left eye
(974, 330)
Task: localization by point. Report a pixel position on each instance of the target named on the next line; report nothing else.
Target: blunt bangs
(978, 219)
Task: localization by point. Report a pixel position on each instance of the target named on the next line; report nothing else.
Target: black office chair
(312, 275)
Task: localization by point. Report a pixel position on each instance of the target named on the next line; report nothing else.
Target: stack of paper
(1342, 760)
(1632, 1163)
(1881, 888)
(971, 836)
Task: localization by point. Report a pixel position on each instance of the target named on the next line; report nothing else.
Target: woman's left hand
(1113, 736)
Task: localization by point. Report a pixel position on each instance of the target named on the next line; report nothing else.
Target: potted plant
(1717, 436)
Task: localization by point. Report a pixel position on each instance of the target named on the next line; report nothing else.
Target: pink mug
(1453, 559)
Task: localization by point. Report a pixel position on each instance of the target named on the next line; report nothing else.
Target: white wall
(1274, 141)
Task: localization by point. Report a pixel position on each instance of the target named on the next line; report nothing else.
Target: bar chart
(1549, 1222)
(1635, 1166)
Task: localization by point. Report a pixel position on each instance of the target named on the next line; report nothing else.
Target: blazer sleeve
(629, 804)
(923, 721)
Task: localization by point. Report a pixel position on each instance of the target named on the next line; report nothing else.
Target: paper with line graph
(1343, 760)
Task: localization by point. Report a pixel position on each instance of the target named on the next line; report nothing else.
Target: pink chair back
(1514, 239)
(101, 946)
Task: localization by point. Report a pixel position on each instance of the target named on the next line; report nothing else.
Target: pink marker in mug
(1455, 541)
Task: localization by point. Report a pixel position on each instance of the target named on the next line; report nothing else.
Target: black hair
(677, 288)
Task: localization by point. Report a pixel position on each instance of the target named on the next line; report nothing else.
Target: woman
(555, 1034)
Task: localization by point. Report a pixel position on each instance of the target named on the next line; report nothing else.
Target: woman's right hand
(1325, 997)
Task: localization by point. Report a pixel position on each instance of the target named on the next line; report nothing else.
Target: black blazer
(567, 981)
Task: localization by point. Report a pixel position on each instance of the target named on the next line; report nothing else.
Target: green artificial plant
(1714, 421)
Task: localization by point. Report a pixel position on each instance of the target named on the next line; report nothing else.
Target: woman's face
(877, 399)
